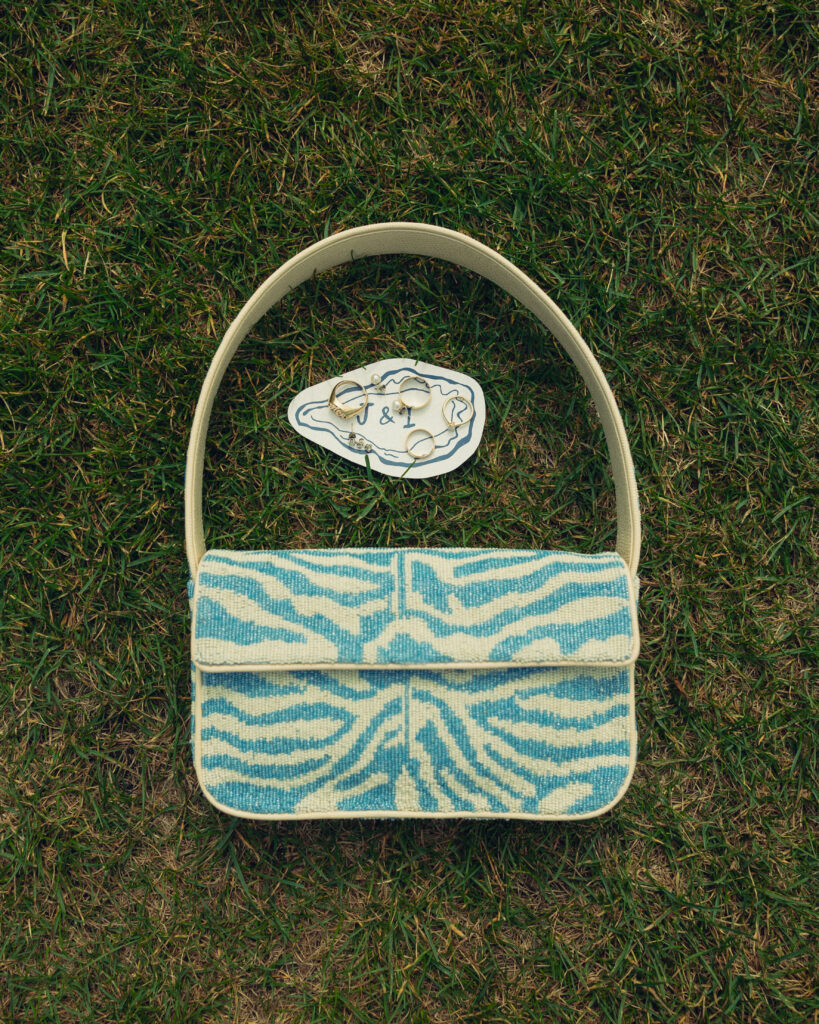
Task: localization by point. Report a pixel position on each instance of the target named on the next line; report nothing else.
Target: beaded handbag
(414, 682)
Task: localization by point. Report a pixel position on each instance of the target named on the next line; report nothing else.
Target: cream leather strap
(443, 244)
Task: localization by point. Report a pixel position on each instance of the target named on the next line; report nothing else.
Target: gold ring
(400, 405)
(408, 446)
(342, 410)
(452, 424)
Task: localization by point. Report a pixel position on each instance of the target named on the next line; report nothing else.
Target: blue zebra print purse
(421, 682)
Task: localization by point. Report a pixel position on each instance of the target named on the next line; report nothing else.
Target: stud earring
(377, 383)
(359, 442)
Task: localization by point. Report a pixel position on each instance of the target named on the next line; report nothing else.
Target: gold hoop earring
(344, 411)
(409, 446)
(454, 424)
(400, 404)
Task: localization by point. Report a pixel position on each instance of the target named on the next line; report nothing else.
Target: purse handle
(440, 243)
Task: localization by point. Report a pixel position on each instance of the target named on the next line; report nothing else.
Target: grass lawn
(654, 167)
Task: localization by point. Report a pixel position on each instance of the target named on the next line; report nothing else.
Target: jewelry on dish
(359, 442)
(377, 383)
(410, 446)
(454, 424)
(345, 412)
(400, 404)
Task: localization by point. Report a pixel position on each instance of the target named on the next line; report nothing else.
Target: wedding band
(453, 424)
(408, 446)
(399, 404)
(344, 411)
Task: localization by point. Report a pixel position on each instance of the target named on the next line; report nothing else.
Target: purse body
(413, 682)
(417, 682)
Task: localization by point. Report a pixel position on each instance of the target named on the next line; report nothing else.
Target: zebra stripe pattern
(545, 742)
(416, 607)
(523, 740)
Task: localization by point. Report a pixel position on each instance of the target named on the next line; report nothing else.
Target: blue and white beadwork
(359, 607)
(526, 740)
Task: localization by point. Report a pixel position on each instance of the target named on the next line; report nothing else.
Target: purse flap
(411, 608)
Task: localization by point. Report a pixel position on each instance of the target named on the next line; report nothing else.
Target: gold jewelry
(409, 447)
(342, 410)
(400, 404)
(453, 424)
